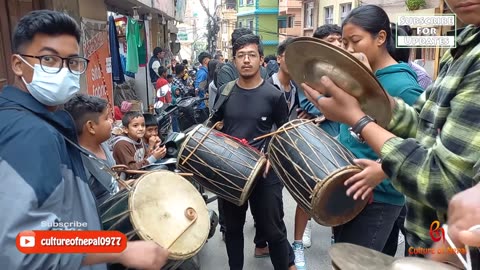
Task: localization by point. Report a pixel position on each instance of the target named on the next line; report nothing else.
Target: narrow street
(214, 255)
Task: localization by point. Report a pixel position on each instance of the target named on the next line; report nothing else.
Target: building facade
(309, 17)
(290, 19)
(228, 21)
(334, 11)
(262, 18)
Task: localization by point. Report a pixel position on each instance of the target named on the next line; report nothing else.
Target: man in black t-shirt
(251, 110)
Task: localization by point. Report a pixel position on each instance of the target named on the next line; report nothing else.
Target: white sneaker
(298, 250)
(401, 238)
(307, 235)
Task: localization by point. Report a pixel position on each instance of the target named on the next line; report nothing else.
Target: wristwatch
(356, 130)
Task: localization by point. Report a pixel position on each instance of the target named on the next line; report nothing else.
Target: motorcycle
(188, 112)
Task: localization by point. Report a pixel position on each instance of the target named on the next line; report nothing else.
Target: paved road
(214, 255)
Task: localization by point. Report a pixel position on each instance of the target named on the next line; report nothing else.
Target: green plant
(415, 4)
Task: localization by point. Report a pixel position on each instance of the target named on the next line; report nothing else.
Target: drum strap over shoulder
(222, 98)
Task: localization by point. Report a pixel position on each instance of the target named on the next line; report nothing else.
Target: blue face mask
(52, 89)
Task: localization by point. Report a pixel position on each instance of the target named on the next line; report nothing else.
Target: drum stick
(320, 119)
(201, 141)
(191, 214)
(123, 183)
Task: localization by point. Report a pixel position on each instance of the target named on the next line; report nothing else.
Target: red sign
(98, 73)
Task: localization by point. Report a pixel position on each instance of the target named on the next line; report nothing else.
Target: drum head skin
(308, 59)
(157, 206)
(330, 203)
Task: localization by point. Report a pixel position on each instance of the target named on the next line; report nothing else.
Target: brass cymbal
(347, 256)
(308, 59)
(412, 263)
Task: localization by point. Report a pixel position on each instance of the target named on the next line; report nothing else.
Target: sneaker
(307, 235)
(401, 238)
(298, 250)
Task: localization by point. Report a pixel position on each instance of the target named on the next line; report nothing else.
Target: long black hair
(372, 19)
(212, 65)
(401, 54)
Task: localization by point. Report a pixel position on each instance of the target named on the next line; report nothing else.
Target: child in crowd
(170, 79)
(151, 138)
(130, 149)
(94, 125)
(164, 97)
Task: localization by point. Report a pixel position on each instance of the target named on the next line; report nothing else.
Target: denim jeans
(371, 228)
(392, 242)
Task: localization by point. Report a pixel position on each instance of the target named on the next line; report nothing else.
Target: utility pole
(213, 28)
(195, 38)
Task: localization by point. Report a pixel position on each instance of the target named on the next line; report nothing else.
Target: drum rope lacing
(467, 263)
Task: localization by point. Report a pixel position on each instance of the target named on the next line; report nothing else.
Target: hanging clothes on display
(142, 49)
(133, 42)
(117, 70)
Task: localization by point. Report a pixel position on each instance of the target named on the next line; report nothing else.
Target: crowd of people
(423, 167)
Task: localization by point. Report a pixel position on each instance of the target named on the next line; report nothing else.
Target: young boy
(151, 138)
(94, 125)
(164, 97)
(130, 149)
(170, 79)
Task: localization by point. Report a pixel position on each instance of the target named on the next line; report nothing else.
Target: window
(329, 15)
(240, 2)
(308, 15)
(249, 2)
(240, 24)
(345, 10)
(290, 21)
(282, 23)
(250, 25)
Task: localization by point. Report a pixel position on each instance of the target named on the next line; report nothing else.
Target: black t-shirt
(250, 113)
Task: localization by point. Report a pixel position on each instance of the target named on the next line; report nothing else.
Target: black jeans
(258, 240)
(267, 200)
(370, 228)
(392, 242)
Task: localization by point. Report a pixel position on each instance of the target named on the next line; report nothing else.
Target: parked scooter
(188, 112)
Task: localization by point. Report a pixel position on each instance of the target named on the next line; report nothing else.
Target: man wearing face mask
(43, 179)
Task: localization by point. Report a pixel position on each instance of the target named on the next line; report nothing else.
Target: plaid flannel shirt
(439, 139)
(179, 85)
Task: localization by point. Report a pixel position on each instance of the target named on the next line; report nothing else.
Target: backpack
(221, 99)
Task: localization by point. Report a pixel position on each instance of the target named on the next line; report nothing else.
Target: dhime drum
(222, 164)
(314, 166)
(162, 207)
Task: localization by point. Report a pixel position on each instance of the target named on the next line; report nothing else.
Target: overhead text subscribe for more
(55, 241)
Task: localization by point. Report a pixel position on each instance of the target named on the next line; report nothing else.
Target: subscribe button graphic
(71, 242)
